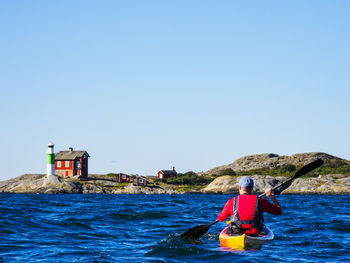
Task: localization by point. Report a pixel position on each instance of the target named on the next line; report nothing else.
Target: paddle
(198, 231)
(303, 170)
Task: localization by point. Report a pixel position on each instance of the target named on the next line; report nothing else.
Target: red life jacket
(246, 212)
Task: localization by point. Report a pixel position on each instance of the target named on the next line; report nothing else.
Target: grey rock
(329, 184)
(229, 184)
(38, 183)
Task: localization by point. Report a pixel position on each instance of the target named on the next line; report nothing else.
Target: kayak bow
(243, 241)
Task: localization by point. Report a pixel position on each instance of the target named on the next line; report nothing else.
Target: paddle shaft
(213, 223)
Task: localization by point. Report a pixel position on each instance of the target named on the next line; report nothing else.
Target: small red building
(141, 181)
(70, 163)
(163, 174)
(124, 178)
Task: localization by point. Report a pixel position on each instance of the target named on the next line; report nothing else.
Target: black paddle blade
(308, 168)
(196, 232)
(283, 187)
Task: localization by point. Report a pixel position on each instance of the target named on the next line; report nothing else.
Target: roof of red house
(69, 155)
(168, 172)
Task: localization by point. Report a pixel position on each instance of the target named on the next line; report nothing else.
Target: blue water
(147, 228)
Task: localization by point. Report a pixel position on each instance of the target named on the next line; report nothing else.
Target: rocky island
(267, 170)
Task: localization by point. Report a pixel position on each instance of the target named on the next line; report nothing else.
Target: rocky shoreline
(323, 184)
(39, 183)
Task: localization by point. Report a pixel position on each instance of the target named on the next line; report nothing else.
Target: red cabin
(163, 174)
(124, 178)
(141, 181)
(70, 163)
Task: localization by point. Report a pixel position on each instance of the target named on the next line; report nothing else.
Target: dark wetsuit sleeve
(266, 206)
(226, 212)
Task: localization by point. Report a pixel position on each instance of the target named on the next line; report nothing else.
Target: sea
(148, 228)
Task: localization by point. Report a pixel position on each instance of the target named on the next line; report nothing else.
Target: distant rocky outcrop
(132, 189)
(40, 183)
(271, 160)
(322, 184)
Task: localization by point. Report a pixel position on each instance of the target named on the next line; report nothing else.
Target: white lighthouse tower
(50, 167)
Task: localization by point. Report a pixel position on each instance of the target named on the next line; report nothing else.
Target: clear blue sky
(148, 85)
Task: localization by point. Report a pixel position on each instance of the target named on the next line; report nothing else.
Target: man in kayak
(246, 210)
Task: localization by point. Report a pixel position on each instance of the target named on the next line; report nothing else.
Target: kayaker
(246, 210)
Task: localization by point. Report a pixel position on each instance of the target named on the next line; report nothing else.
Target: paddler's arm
(269, 193)
(225, 213)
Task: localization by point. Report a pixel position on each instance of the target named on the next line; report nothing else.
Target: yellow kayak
(243, 241)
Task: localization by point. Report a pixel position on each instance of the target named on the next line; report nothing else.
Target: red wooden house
(163, 174)
(141, 181)
(124, 178)
(70, 163)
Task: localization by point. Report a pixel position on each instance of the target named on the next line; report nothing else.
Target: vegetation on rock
(188, 178)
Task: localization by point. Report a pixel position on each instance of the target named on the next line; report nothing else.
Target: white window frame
(59, 164)
(66, 164)
(141, 181)
(123, 176)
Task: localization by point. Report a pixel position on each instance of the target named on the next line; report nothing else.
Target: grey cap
(246, 182)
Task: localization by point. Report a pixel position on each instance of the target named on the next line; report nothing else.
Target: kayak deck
(243, 241)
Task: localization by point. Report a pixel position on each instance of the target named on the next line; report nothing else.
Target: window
(58, 163)
(123, 176)
(67, 164)
(141, 181)
(77, 164)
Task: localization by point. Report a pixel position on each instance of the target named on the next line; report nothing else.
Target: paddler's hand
(268, 192)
